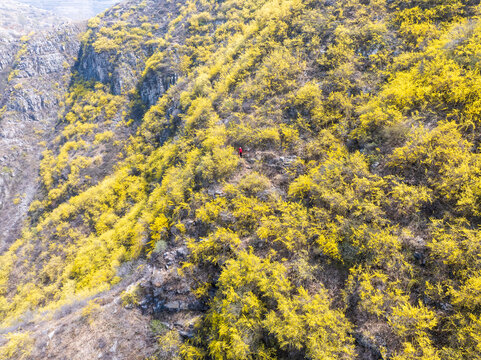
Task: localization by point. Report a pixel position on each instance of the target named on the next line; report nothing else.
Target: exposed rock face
(121, 69)
(34, 74)
(17, 20)
(154, 85)
(113, 69)
(95, 66)
(119, 73)
(8, 49)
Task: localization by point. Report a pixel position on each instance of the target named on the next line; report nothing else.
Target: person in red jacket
(240, 152)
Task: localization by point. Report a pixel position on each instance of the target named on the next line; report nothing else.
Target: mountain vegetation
(349, 229)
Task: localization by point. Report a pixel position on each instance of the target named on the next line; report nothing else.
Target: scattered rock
(157, 279)
(182, 253)
(113, 349)
(420, 258)
(227, 217)
(176, 306)
(446, 307)
(367, 343)
(186, 334)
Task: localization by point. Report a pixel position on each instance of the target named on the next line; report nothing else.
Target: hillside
(349, 229)
(18, 19)
(73, 9)
(37, 51)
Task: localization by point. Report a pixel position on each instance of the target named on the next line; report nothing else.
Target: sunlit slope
(349, 229)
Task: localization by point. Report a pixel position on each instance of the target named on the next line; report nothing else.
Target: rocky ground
(108, 327)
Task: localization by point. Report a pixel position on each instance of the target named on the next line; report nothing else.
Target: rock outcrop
(155, 84)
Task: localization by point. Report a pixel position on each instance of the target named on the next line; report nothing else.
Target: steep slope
(349, 229)
(19, 20)
(38, 50)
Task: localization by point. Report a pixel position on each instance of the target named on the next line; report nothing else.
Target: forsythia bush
(349, 227)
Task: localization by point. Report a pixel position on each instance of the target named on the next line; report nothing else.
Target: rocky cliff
(35, 69)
